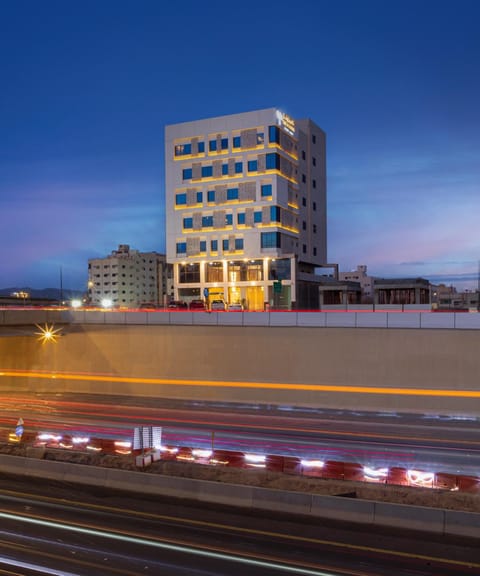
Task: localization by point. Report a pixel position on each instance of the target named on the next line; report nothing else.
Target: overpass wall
(238, 358)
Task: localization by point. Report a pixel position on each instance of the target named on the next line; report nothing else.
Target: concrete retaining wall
(432, 520)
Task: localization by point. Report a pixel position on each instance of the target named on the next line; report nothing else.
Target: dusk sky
(87, 87)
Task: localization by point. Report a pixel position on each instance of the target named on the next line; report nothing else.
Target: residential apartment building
(246, 209)
(129, 278)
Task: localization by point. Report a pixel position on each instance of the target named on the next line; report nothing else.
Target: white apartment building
(129, 278)
(246, 208)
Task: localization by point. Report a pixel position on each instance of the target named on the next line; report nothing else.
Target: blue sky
(87, 88)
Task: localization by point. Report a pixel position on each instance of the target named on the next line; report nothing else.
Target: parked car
(217, 305)
(177, 305)
(235, 307)
(197, 305)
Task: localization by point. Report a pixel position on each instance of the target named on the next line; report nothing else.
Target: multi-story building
(366, 282)
(246, 209)
(129, 278)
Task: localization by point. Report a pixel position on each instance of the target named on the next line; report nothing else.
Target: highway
(62, 530)
(415, 441)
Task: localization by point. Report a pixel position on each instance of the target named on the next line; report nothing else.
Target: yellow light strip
(230, 384)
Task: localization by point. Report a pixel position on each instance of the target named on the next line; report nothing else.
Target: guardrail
(385, 318)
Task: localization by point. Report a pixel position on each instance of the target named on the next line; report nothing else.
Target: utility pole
(61, 286)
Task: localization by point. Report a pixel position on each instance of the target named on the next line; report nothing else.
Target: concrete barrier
(432, 520)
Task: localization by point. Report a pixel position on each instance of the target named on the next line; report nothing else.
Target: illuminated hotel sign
(286, 122)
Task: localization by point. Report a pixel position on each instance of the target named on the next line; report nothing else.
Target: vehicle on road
(217, 305)
(177, 305)
(197, 305)
(235, 307)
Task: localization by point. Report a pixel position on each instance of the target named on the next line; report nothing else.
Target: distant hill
(44, 293)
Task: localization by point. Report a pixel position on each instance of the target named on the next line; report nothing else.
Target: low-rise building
(129, 278)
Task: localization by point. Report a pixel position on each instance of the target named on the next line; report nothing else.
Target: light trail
(234, 384)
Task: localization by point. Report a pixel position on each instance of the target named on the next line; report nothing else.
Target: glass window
(252, 166)
(228, 219)
(314, 228)
(279, 269)
(274, 134)
(260, 138)
(241, 218)
(211, 196)
(266, 189)
(270, 240)
(232, 193)
(304, 225)
(225, 244)
(215, 272)
(314, 206)
(207, 221)
(275, 213)
(214, 245)
(237, 142)
(224, 143)
(183, 149)
(273, 161)
(314, 251)
(314, 183)
(188, 223)
(187, 174)
(181, 199)
(304, 201)
(203, 245)
(238, 167)
(238, 243)
(225, 169)
(199, 197)
(314, 161)
(201, 146)
(189, 273)
(181, 247)
(207, 171)
(303, 154)
(304, 248)
(304, 178)
(314, 139)
(212, 145)
(257, 217)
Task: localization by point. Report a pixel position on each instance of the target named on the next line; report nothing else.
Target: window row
(238, 244)
(236, 271)
(181, 199)
(257, 217)
(270, 161)
(218, 144)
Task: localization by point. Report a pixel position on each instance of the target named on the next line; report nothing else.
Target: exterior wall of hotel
(243, 171)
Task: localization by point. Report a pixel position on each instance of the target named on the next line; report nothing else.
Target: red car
(197, 305)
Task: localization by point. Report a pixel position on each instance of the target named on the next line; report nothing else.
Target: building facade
(246, 208)
(366, 282)
(129, 278)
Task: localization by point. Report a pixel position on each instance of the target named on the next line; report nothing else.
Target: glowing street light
(48, 333)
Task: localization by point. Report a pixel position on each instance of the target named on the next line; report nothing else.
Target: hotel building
(246, 209)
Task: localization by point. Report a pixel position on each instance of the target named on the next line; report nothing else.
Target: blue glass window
(224, 169)
(201, 146)
(241, 218)
(238, 167)
(266, 189)
(225, 244)
(199, 197)
(228, 219)
(238, 243)
(257, 217)
(211, 196)
(252, 165)
(207, 221)
(203, 245)
(275, 213)
(188, 223)
(224, 143)
(207, 171)
(274, 134)
(181, 247)
(183, 149)
(214, 245)
(212, 145)
(187, 174)
(180, 199)
(232, 194)
(237, 141)
(270, 240)
(273, 161)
